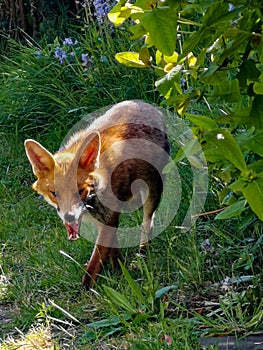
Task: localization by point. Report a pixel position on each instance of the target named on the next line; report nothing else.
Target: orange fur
(111, 154)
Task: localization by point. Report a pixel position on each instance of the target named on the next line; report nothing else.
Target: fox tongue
(73, 231)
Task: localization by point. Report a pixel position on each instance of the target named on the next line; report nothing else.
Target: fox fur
(97, 171)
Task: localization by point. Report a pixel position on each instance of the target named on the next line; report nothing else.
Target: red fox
(111, 166)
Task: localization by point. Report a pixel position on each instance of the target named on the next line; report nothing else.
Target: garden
(200, 285)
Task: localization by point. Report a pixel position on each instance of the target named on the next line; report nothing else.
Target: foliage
(211, 54)
(47, 86)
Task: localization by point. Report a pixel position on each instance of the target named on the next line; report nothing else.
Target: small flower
(60, 54)
(86, 59)
(70, 42)
(102, 8)
(206, 246)
(231, 7)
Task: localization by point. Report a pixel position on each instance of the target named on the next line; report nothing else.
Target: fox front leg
(105, 247)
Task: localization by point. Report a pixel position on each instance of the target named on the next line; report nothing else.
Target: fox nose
(69, 218)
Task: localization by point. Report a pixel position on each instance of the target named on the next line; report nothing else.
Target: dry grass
(38, 337)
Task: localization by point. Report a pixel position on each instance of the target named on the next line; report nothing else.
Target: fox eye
(53, 193)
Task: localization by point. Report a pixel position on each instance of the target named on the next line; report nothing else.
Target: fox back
(114, 165)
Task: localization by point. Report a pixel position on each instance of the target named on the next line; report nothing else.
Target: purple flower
(231, 7)
(86, 59)
(70, 42)
(60, 54)
(101, 9)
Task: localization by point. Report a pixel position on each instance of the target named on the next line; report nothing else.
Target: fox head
(66, 178)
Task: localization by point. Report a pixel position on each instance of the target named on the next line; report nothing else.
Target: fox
(108, 168)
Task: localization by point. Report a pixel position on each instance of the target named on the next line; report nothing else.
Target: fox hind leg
(149, 209)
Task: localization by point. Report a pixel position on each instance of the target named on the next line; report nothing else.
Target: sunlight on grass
(38, 337)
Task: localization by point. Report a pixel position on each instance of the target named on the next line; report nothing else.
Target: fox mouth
(73, 231)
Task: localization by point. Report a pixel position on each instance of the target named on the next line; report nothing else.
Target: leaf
(231, 211)
(135, 288)
(108, 322)
(228, 90)
(256, 113)
(194, 40)
(226, 146)
(258, 88)
(237, 44)
(255, 143)
(137, 31)
(253, 192)
(201, 120)
(144, 55)
(212, 75)
(170, 80)
(161, 24)
(118, 299)
(130, 59)
(161, 292)
(247, 72)
(118, 14)
(219, 15)
(171, 59)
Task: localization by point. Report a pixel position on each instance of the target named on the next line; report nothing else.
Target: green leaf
(256, 113)
(255, 143)
(231, 211)
(118, 14)
(213, 76)
(201, 120)
(161, 24)
(218, 15)
(194, 40)
(253, 192)
(258, 88)
(144, 55)
(228, 90)
(161, 292)
(247, 72)
(108, 322)
(135, 288)
(225, 145)
(131, 59)
(170, 80)
(118, 299)
(137, 31)
(238, 45)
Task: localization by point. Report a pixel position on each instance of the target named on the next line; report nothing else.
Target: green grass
(175, 295)
(43, 285)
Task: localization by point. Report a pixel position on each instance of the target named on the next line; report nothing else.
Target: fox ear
(90, 155)
(41, 160)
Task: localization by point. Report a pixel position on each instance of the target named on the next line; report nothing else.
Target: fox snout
(72, 220)
(70, 217)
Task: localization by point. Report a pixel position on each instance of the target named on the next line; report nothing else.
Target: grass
(200, 283)
(42, 286)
